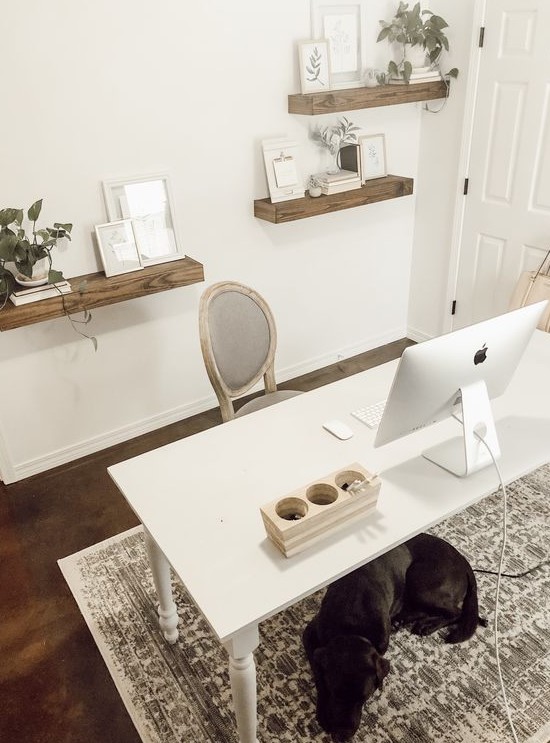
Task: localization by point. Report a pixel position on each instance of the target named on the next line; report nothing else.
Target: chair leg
(269, 380)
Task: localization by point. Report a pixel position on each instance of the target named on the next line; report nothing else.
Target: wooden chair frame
(224, 392)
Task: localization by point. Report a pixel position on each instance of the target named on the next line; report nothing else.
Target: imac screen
(462, 369)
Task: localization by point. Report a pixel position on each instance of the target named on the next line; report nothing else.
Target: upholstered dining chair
(238, 342)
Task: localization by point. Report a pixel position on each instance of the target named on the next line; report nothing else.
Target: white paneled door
(506, 227)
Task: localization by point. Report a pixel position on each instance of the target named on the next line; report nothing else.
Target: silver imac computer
(456, 375)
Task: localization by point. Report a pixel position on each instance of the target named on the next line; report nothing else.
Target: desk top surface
(200, 497)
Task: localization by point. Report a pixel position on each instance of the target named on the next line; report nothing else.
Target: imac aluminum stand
(466, 454)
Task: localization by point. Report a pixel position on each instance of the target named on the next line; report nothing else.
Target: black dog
(424, 584)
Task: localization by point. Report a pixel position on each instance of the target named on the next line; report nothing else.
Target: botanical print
(313, 69)
(118, 247)
(373, 156)
(314, 66)
(341, 30)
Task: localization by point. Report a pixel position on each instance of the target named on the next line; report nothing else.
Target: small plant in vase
(413, 28)
(314, 187)
(334, 137)
(31, 253)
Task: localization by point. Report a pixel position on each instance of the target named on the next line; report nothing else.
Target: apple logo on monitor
(480, 355)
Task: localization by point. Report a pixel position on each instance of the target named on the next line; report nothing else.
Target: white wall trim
(341, 353)
(111, 438)
(14, 472)
(7, 472)
(418, 335)
(464, 161)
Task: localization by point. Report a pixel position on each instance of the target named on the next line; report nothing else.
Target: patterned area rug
(434, 692)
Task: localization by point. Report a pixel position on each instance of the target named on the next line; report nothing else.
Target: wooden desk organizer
(309, 514)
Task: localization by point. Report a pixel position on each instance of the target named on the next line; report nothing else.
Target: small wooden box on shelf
(318, 509)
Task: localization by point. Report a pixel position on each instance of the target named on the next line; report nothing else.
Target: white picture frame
(314, 64)
(373, 156)
(147, 200)
(118, 247)
(282, 168)
(342, 24)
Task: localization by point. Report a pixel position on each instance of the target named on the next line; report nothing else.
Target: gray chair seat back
(238, 341)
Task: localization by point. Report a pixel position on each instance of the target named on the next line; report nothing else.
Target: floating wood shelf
(351, 99)
(379, 189)
(100, 291)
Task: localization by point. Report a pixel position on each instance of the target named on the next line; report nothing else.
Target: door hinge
(453, 307)
(481, 36)
(466, 183)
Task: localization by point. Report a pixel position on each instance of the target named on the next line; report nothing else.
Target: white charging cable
(499, 575)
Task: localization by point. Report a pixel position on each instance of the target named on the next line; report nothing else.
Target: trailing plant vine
(24, 248)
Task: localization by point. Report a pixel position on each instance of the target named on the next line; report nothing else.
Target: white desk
(199, 501)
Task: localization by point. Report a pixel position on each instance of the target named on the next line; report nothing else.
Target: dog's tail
(469, 620)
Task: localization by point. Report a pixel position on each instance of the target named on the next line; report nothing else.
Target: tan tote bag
(534, 286)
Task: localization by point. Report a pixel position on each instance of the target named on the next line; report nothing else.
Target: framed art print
(373, 156)
(282, 168)
(341, 23)
(118, 247)
(147, 200)
(314, 66)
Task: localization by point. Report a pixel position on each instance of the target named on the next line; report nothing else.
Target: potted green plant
(31, 251)
(415, 28)
(32, 255)
(334, 137)
(314, 187)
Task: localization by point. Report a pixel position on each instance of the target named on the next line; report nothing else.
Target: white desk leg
(242, 673)
(160, 567)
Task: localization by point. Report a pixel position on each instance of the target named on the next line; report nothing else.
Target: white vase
(416, 55)
(334, 164)
(39, 277)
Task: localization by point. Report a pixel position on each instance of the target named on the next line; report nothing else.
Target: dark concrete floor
(54, 685)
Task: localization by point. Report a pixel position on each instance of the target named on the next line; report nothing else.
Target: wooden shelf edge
(379, 189)
(99, 291)
(351, 99)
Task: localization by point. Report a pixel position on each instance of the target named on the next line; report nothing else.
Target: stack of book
(36, 293)
(418, 75)
(342, 180)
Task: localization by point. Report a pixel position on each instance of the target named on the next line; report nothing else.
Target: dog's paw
(426, 627)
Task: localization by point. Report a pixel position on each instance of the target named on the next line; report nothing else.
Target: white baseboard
(104, 441)
(297, 370)
(15, 472)
(417, 335)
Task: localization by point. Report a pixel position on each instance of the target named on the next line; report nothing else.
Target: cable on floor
(499, 576)
(513, 575)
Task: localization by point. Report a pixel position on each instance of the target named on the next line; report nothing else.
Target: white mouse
(338, 429)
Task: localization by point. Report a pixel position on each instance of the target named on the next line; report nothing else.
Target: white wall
(440, 182)
(113, 89)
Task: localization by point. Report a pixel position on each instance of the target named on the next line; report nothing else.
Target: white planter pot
(416, 55)
(40, 272)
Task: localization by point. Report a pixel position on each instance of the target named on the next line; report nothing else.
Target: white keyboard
(370, 415)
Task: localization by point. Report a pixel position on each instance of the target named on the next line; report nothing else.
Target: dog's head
(347, 671)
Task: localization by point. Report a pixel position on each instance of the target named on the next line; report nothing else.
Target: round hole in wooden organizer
(291, 509)
(344, 479)
(322, 494)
